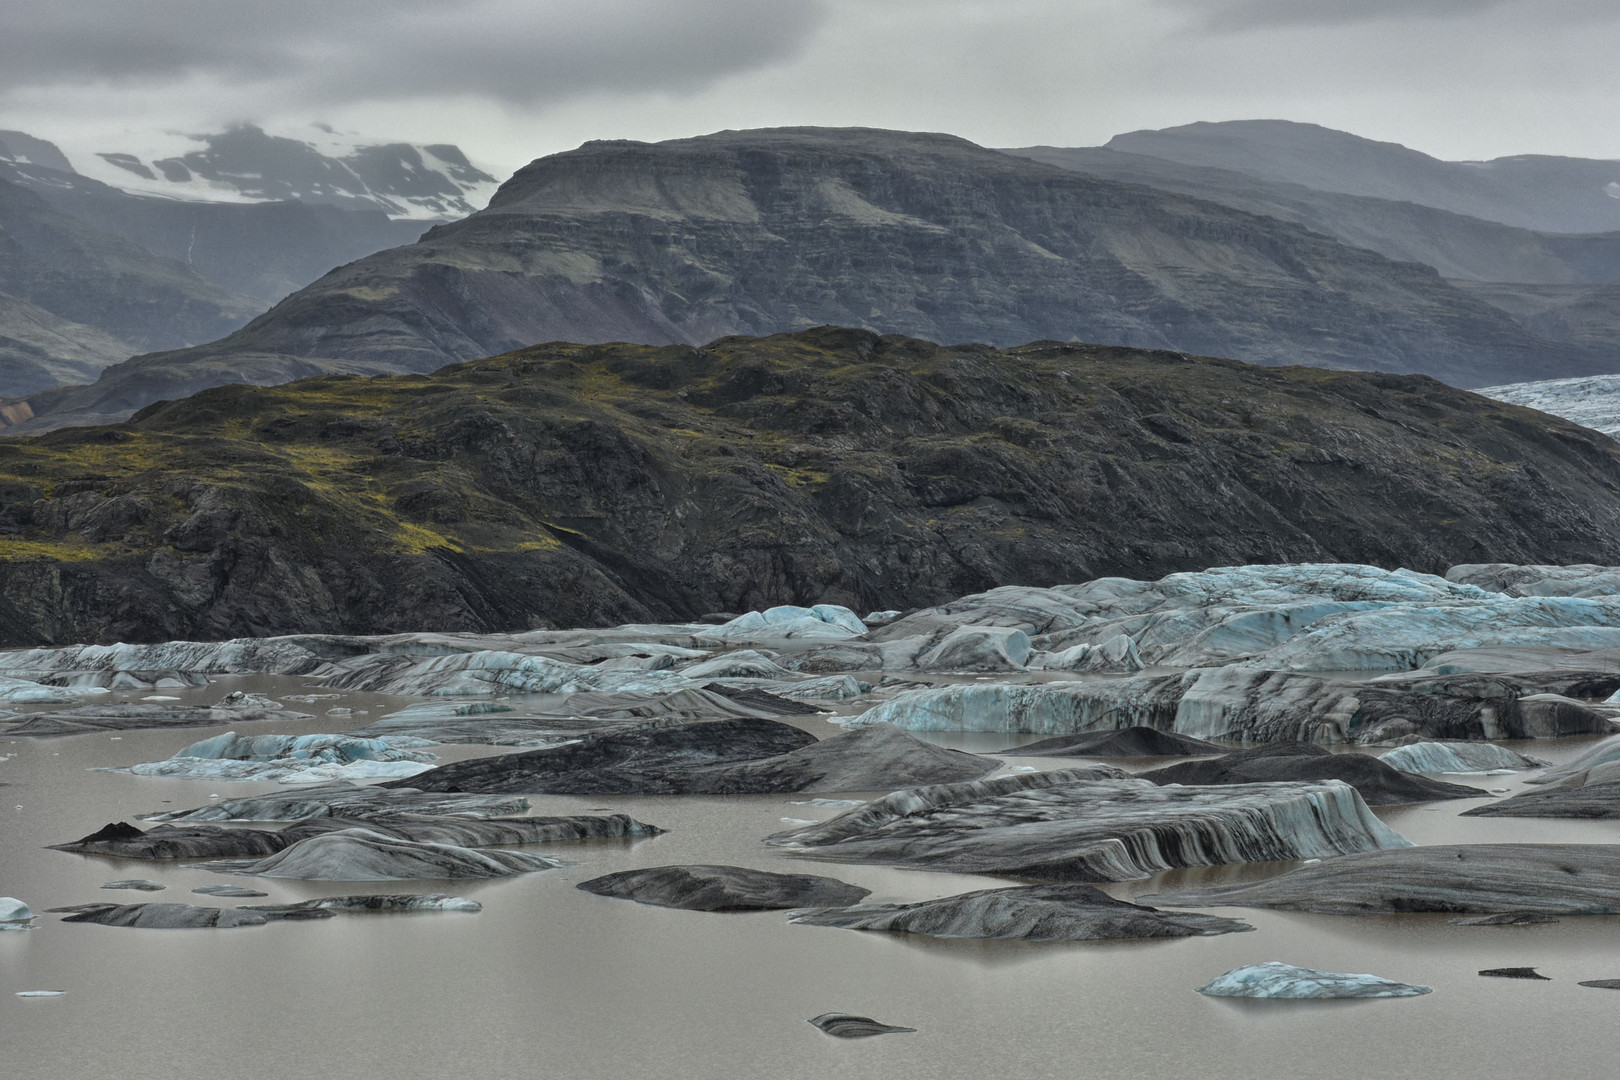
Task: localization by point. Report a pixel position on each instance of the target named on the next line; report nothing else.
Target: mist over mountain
(763, 231)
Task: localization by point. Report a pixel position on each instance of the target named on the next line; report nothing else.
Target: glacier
(1459, 757)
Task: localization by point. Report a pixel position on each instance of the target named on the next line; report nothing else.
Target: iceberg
(1458, 757)
(343, 799)
(239, 656)
(1059, 912)
(850, 1026)
(14, 914)
(787, 621)
(369, 902)
(27, 692)
(1092, 825)
(1457, 879)
(488, 673)
(1275, 979)
(723, 888)
(161, 916)
(363, 854)
(293, 758)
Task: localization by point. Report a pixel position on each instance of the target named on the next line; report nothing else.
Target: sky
(511, 80)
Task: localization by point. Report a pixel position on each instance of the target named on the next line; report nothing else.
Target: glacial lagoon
(550, 980)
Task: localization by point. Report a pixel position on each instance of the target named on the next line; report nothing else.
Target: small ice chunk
(40, 993)
(800, 821)
(13, 910)
(136, 883)
(1274, 979)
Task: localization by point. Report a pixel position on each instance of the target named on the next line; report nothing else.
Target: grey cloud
(521, 51)
(1251, 14)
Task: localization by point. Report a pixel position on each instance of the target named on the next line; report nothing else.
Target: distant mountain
(569, 485)
(245, 164)
(76, 298)
(1459, 247)
(763, 231)
(245, 255)
(1552, 194)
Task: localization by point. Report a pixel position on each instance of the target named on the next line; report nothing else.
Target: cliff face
(569, 484)
(767, 231)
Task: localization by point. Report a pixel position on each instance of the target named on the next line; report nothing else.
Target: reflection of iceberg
(293, 759)
(1278, 980)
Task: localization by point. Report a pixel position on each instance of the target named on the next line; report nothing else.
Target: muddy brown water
(552, 982)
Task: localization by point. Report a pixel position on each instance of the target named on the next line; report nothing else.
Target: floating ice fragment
(40, 993)
(1275, 979)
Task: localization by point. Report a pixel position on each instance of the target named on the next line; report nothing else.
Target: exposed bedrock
(161, 916)
(724, 888)
(1252, 706)
(367, 855)
(116, 717)
(1378, 783)
(1093, 824)
(1277, 980)
(1458, 757)
(210, 842)
(850, 1026)
(721, 757)
(344, 799)
(1057, 912)
(1462, 879)
(1127, 742)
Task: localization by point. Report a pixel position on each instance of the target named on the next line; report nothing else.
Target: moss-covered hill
(568, 484)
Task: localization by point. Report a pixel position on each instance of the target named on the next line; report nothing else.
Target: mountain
(597, 484)
(1458, 247)
(764, 231)
(77, 298)
(321, 166)
(238, 256)
(1551, 194)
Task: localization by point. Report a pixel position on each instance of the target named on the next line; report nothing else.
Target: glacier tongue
(1094, 825)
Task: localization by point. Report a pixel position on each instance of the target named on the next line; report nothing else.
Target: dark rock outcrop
(1060, 912)
(1379, 784)
(723, 888)
(1484, 879)
(557, 486)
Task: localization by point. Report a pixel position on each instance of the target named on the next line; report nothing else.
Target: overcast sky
(510, 80)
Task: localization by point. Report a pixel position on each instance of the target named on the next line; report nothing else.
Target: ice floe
(723, 888)
(1277, 980)
(297, 759)
(363, 854)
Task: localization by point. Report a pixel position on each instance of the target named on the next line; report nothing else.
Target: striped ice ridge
(1095, 824)
(1458, 757)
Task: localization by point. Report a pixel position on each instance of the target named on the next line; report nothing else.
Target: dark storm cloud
(521, 51)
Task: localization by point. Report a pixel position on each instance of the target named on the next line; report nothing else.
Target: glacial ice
(978, 648)
(1275, 979)
(850, 1026)
(1057, 912)
(367, 855)
(1576, 579)
(368, 902)
(239, 656)
(296, 759)
(1094, 824)
(1458, 757)
(723, 888)
(1579, 770)
(488, 673)
(786, 621)
(14, 914)
(120, 717)
(342, 799)
(742, 663)
(27, 692)
(161, 916)
(1480, 879)
(1241, 704)
(140, 884)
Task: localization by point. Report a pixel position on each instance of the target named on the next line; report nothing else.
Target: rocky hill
(573, 484)
(764, 231)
